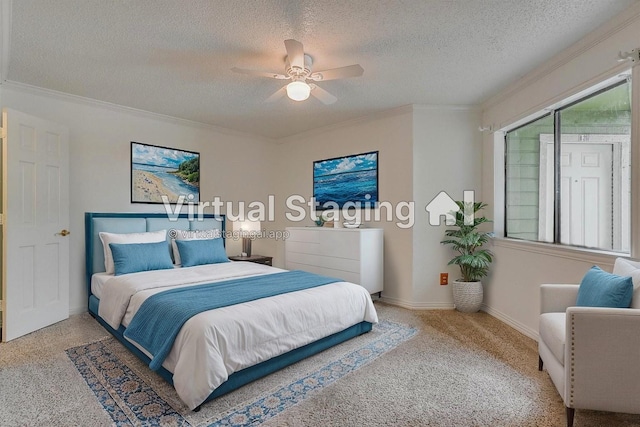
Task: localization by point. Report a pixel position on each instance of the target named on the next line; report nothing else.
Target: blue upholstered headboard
(96, 222)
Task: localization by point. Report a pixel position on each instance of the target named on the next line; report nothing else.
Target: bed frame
(141, 222)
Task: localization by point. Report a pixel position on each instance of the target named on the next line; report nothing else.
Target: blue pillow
(601, 289)
(134, 257)
(203, 251)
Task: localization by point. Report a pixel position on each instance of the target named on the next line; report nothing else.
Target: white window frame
(500, 178)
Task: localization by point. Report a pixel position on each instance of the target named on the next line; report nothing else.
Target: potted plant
(472, 258)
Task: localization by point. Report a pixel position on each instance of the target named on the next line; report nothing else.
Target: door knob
(63, 233)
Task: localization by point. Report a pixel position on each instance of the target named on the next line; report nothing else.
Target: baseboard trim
(411, 305)
(77, 310)
(511, 322)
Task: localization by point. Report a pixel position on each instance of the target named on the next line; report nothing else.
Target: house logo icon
(445, 205)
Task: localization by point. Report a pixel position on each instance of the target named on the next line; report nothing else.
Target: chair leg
(540, 363)
(570, 413)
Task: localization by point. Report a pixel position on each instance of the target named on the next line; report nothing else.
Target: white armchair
(592, 354)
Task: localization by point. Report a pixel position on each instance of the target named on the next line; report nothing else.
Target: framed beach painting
(346, 179)
(162, 171)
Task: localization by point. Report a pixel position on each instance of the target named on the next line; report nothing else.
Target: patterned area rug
(131, 399)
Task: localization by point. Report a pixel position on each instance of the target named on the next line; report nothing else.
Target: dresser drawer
(340, 264)
(347, 276)
(341, 244)
(351, 255)
(302, 247)
(290, 265)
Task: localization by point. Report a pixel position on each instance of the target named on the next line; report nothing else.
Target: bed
(275, 319)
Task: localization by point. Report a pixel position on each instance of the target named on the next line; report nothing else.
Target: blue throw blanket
(159, 319)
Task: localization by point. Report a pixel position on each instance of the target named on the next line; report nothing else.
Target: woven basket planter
(467, 296)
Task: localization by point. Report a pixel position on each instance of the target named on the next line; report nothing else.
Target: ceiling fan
(298, 69)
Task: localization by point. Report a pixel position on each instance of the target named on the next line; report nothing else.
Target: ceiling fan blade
(259, 73)
(295, 52)
(277, 95)
(338, 73)
(324, 96)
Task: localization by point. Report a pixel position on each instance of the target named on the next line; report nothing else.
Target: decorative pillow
(107, 238)
(601, 289)
(625, 267)
(203, 251)
(135, 257)
(190, 235)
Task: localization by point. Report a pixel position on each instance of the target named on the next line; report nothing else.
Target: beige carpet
(459, 370)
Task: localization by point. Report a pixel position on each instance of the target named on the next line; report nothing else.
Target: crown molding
(615, 25)
(81, 100)
(446, 107)
(404, 109)
(348, 123)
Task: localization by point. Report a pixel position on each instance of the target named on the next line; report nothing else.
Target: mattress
(99, 279)
(97, 283)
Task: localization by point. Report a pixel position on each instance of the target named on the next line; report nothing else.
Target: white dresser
(354, 255)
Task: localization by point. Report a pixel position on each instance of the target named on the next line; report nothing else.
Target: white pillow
(625, 267)
(190, 235)
(148, 237)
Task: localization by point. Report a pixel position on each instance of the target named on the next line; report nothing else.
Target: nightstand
(258, 259)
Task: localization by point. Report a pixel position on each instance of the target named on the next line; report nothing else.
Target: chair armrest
(557, 298)
(602, 359)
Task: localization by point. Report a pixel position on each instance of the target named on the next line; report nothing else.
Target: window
(568, 173)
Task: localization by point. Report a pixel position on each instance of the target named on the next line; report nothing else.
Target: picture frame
(351, 179)
(163, 171)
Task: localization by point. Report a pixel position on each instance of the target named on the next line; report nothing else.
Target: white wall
(447, 152)
(417, 145)
(423, 150)
(513, 294)
(520, 267)
(391, 134)
(233, 166)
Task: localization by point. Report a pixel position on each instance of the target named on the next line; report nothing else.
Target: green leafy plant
(467, 241)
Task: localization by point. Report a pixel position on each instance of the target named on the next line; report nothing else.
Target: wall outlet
(444, 278)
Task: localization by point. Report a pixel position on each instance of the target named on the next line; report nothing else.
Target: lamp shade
(298, 90)
(246, 227)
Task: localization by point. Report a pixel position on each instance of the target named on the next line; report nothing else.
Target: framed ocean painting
(162, 171)
(345, 179)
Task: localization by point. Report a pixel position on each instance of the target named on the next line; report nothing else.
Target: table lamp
(247, 229)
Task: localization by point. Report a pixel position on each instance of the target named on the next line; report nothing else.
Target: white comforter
(214, 344)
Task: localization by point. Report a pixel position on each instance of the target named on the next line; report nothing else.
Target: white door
(35, 275)
(595, 190)
(586, 187)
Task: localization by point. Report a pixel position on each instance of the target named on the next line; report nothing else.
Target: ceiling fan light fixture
(299, 69)
(298, 90)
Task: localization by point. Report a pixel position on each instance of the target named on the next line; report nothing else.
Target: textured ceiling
(174, 57)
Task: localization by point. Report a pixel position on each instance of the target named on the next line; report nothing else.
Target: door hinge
(1, 219)
(3, 133)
